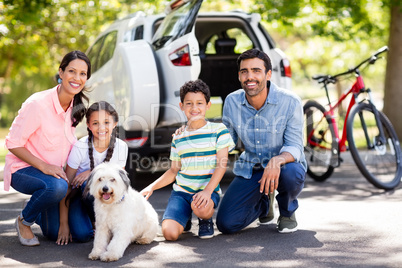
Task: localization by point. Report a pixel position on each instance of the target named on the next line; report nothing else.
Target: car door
(177, 53)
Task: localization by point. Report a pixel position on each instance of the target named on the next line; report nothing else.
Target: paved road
(343, 222)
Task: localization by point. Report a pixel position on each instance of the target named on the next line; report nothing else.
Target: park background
(318, 37)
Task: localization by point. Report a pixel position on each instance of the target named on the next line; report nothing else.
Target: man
(269, 122)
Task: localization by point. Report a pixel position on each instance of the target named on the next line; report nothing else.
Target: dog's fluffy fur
(122, 214)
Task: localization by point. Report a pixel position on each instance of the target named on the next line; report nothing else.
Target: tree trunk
(393, 77)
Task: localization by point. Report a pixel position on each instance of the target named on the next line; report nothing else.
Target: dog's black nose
(105, 189)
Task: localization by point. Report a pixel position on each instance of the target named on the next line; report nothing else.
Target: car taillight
(181, 57)
(285, 68)
(136, 142)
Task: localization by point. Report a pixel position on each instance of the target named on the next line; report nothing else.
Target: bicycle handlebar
(332, 78)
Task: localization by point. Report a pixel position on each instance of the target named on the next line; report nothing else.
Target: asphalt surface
(343, 222)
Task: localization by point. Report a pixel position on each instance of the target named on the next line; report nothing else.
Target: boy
(199, 157)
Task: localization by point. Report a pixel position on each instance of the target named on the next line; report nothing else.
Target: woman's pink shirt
(44, 128)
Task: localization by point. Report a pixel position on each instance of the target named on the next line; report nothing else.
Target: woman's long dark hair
(79, 109)
(102, 106)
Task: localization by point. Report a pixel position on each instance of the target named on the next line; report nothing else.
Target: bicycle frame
(356, 89)
(367, 133)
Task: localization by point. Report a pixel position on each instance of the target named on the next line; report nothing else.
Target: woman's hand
(55, 171)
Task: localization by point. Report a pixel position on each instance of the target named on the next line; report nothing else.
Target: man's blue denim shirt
(275, 128)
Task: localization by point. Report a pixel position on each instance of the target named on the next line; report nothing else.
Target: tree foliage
(319, 36)
(324, 36)
(36, 34)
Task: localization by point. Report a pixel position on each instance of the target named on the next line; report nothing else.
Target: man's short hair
(255, 53)
(195, 86)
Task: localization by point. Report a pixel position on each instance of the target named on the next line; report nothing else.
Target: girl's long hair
(98, 106)
(102, 106)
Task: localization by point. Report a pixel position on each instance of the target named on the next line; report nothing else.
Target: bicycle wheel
(319, 135)
(379, 163)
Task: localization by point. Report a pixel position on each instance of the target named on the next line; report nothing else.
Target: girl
(101, 145)
(39, 142)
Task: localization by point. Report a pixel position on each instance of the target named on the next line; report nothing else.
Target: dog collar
(121, 200)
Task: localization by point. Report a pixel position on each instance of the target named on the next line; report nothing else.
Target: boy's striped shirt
(197, 152)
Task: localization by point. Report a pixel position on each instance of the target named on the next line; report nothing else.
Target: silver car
(140, 62)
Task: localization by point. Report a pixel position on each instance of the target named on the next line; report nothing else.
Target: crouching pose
(199, 158)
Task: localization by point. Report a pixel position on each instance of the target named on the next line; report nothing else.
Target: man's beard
(253, 92)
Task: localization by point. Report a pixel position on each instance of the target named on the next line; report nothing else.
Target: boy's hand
(147, 192)
(201, 199)
(180, 130)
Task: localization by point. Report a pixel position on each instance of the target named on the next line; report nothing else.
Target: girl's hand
(64, 236)
(147, 192)
(80, 179)
(201, 199)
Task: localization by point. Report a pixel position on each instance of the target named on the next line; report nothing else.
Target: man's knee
(223, 226)
(292, 176)
(226, 224)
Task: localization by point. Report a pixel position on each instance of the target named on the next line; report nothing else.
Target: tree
(36, 34)
(353, 25)
(320, 36)
(393, 80)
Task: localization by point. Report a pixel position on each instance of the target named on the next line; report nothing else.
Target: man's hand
(270, 178)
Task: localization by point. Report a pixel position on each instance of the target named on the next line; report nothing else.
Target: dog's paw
(109, 256)
(93, 256)
(143, 241)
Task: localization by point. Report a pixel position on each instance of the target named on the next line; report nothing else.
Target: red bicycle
(367, 133)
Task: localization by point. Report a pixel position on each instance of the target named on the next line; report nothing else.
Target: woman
(39, 142)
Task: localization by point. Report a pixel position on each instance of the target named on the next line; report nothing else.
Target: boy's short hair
(255, 53)
(195, 86)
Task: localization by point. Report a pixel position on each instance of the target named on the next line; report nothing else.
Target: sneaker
(188, 226)
(206, 228)
(265, 220)
(287, 224)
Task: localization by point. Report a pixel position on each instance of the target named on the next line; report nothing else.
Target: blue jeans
(43, 207)
(179, 206)
(243, 203)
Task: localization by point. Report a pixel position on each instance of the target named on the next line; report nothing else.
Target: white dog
(122, 214)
